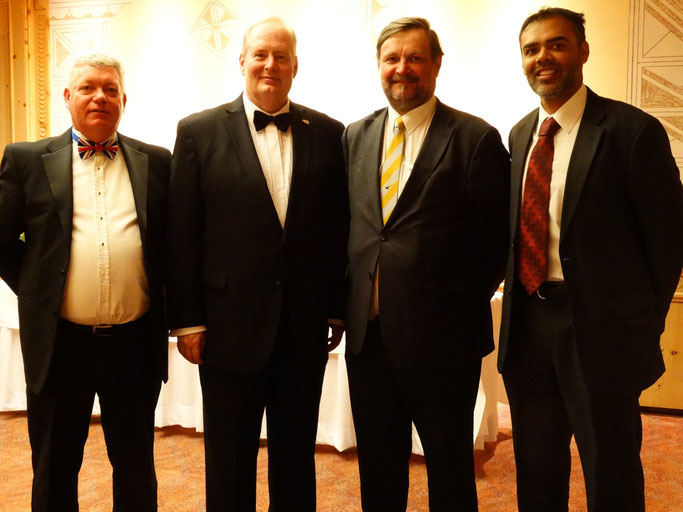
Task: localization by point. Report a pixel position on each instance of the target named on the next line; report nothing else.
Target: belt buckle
(102, 330)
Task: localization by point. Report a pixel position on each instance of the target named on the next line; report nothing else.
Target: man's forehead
(546, 29)
(393, 42)
(266, 34)
(89, 72)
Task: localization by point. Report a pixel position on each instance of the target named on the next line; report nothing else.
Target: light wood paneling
(667, 392)
(5, 71)
(24, 70)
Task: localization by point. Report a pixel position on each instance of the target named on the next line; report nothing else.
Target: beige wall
(171, 72)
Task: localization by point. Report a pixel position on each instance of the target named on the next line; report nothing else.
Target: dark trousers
(289, 389)
(440, 401)
(119, 371)
(550, 401)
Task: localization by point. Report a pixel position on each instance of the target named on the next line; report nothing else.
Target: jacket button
(383, 237)
(278, 284)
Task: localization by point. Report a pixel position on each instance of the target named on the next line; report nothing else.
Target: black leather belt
(102, 329)
(550, 290)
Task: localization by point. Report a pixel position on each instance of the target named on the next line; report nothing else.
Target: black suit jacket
(442, 252)
(621, 241)
(36, 197)
(231, 262)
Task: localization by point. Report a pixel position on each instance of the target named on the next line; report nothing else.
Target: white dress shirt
(417, 123)
(274, 150)
(106, 281)
(568, 116)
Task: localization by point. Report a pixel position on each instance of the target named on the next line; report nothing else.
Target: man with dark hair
(577, 20)
(428, 189)
(89, 280)
(258, 225)
(596, 254)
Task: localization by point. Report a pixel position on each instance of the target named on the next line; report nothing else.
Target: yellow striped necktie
(390, 170)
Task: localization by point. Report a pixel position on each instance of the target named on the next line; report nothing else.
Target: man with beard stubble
(595, 257)
(428, 190)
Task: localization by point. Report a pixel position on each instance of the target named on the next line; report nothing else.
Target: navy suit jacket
(621, 241)
(442, 251)
(36, 198)
(231, 262)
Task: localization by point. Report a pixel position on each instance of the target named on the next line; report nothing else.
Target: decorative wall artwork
(656, 65)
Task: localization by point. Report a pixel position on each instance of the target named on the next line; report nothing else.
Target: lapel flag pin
(306, 121)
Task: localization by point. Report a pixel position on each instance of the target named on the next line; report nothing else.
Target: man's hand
(191, 346)
(334, 340)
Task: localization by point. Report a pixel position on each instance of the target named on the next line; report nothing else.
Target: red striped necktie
(533, 231)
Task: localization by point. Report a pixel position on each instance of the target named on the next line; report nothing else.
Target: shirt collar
(113, 136)
(568, 115)
(250, 108)
(414, 118)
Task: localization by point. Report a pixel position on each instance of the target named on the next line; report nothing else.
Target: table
(180, 401)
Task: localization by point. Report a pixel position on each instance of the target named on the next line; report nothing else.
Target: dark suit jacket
(621, 241)
(231, 262)
(36, 197)
(442, 252)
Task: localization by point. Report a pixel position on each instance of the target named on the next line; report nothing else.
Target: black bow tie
(282, 121)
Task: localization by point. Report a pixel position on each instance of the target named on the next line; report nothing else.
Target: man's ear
(585, 51)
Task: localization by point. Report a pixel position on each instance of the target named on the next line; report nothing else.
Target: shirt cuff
(187, 330)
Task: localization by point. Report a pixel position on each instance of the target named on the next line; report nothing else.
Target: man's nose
(403, 67)
(543, 54)
(99, 95)
(270, 62)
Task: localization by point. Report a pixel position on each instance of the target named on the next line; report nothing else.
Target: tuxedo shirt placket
(278, 180)
(103, 261)
(106, 242)
(274, 150)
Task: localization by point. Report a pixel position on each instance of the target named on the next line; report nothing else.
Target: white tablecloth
(180, 402)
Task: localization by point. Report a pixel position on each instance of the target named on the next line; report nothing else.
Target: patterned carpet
(180, 469)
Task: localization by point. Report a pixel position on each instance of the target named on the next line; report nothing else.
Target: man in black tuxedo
(428, 189)
(596, 253)
(89, 280)
(256, 271)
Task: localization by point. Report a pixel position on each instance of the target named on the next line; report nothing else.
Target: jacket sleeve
(488, 203)
(11, 220)
(184, 228)
(656, 193)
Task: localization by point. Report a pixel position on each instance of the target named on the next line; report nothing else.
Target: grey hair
(276, 20)
(97, 60)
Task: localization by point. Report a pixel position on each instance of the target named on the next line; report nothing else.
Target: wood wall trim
(24, 70)
(39, 68)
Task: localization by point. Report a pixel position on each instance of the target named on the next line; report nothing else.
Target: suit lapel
(301, 142)
(236, 125)
(372, 149)
(432, 149)
(58, 169)
(138, 171)
(586, 145)
(522, 142)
